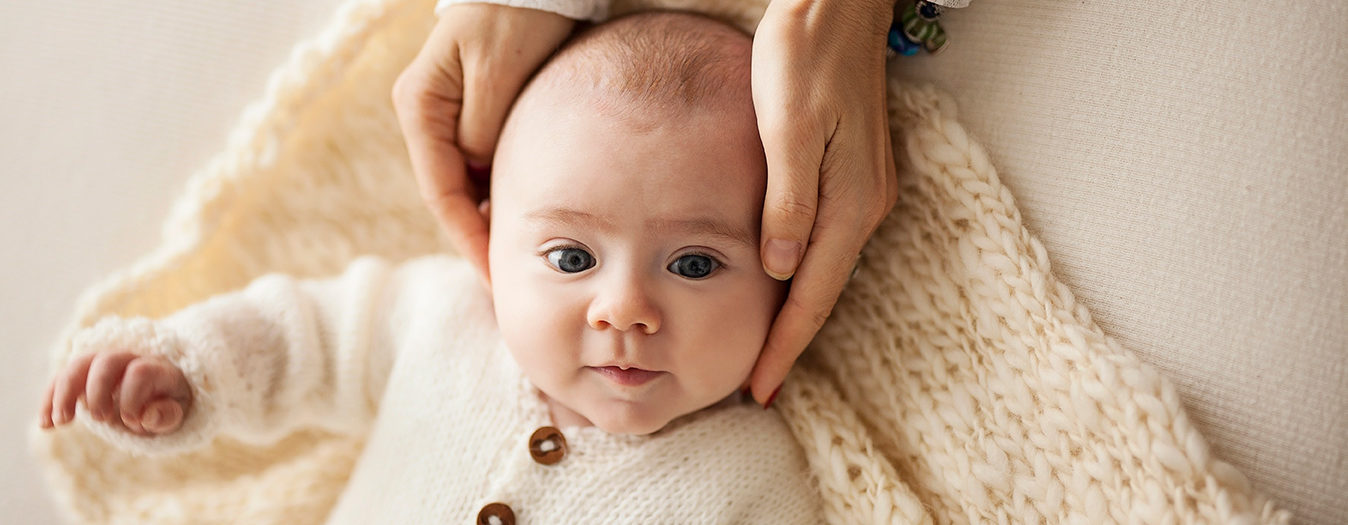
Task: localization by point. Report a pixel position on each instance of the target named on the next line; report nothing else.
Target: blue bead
(899, 44)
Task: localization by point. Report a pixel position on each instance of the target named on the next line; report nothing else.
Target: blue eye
(571, 260)
(694, 266)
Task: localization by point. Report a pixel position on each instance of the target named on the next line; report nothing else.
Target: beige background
(1185, 168)
(105, 109)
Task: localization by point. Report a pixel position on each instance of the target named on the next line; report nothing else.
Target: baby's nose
(626, 307)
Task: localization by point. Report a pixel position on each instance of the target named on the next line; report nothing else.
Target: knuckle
(406, 88)
(100, 364)
(814, 315)
(879, 206)
(793, 209)
(139, 371)
(819, 317)
(437, 198)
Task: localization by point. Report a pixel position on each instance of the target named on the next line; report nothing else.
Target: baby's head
(627, 193)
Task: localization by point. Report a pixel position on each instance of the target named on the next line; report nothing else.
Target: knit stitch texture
(957, 380)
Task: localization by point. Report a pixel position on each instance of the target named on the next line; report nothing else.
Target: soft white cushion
(1186, 166)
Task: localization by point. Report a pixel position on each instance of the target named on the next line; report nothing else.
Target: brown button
(547, 445)
(496, 514)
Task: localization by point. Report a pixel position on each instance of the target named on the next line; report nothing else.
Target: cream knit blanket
(957, 381)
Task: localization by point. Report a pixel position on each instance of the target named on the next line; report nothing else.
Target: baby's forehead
(670, 168)
(651, 61)
(663, 96)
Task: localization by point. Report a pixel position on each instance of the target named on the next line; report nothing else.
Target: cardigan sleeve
(279, 355)
(592, 10)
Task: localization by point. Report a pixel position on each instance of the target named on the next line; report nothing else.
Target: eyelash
(720, 264)
(548, 251)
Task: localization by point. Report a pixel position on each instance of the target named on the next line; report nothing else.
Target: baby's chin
(638, 419)
(629, 422)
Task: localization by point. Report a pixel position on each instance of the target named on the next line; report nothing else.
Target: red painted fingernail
(772, 397)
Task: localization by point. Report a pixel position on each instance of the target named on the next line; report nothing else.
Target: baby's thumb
(162, 416)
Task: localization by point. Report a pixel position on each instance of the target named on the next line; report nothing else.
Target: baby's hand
(147, 395)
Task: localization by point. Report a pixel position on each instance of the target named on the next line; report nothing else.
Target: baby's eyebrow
(706, 226)
(692, 226)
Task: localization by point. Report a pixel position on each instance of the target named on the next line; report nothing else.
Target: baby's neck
(563, 416)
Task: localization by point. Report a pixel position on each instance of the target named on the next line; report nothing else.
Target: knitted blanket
(957, 380)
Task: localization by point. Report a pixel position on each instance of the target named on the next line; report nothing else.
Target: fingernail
(151, 418)
(781, 257)
(772, 397)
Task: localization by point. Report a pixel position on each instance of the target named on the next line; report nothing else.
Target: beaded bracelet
(917, 27)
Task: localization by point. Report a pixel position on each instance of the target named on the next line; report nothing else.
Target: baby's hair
(654, 59)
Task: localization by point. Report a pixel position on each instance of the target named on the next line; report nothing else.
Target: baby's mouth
(628, 376)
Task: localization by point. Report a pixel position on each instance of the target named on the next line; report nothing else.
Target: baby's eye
(571, 260)
(694, 266)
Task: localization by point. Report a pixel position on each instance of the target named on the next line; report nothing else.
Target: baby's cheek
(729, 352)
(540, 331)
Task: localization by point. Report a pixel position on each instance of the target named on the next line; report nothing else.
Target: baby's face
(625, 262)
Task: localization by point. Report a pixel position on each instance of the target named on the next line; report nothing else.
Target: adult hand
(819, 92)
(452, 100)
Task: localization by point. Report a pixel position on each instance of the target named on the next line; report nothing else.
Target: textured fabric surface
(959, 381)
(1187, 169)
(451, 433)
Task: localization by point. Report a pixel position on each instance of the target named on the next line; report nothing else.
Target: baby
(596, 383)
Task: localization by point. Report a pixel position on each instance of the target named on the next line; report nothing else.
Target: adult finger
(104, 374)
(511, 44)
(69, 387)
(814, 291)
(427, 113)
(488, 92)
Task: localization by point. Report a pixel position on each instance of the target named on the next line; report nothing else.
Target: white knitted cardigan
(957, 381)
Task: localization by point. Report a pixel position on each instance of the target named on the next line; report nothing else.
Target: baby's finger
(137, 387)
(146, 378)
(69, 387)
(162, 416)
(104, 374)
(44, 415)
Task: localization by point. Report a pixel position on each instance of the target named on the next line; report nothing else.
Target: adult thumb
(791, 203)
